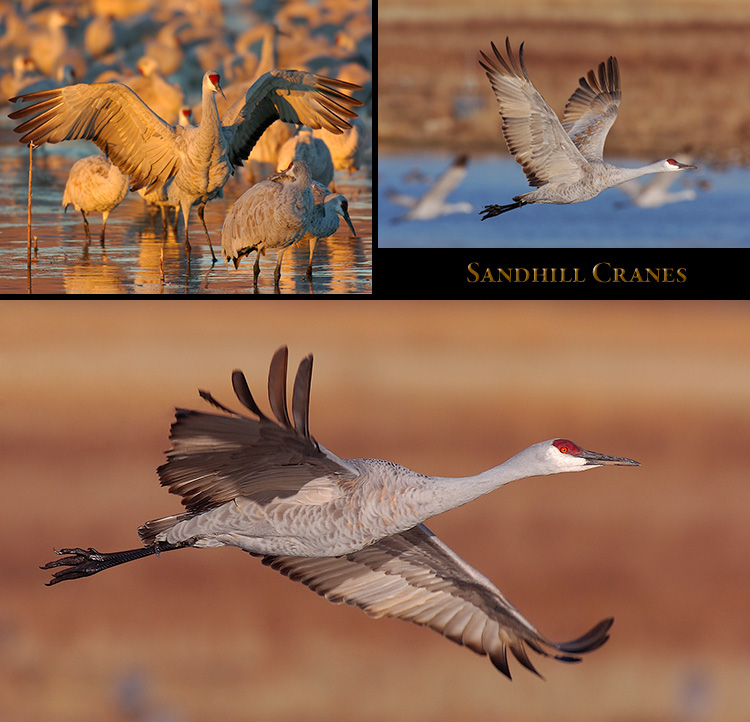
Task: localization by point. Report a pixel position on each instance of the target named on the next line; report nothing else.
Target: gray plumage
(324, 220)
(563, 161)
(350, 529)
(304, 146)
(94, 184)
(273, 214)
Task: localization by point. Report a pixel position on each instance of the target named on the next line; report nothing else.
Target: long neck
(440, 493)
(210, 116)
(620, 175)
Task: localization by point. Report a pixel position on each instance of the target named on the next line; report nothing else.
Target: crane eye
(563, 449)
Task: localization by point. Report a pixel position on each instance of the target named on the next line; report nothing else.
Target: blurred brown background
(685, 67)
(88, 390)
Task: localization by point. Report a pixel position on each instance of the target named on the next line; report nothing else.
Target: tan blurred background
(685, 67)
(88, 390)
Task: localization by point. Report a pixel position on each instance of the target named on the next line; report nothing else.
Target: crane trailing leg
(85, 562)
(494, 210)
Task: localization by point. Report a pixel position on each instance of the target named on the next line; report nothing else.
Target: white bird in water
(193, 163)
(350, 529)
(432, 203)
(95, 184)
(273, 214)
(324, 220)
(563, 161)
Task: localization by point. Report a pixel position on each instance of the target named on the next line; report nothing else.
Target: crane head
(672, 164)
(211, 81)
(568, 456)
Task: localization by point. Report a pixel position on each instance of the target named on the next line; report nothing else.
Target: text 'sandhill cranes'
(563, 161)
(350, 529)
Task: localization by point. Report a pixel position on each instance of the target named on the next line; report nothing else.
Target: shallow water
(719, 217)
(130, 261)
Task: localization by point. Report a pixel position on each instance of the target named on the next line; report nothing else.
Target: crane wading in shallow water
(350, 529)
(193, 163)
(563, 161)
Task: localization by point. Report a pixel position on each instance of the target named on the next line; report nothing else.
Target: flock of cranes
(352, 530)
(144, 129)
(188, 164)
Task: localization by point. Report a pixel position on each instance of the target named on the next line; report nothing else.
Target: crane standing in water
(192, 163)
(350, 529)
(563, 161)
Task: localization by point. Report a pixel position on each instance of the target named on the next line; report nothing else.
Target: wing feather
(592, 109)
(138, 141)
(292, 96)
(416, 577)
(216, 458)
(531, 129)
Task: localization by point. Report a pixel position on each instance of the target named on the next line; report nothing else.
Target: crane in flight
(350, 529)
(432, 203)
(563, 161)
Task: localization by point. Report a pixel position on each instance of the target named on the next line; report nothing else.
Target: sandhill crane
(324, 220)
(95, 184)
(192, 163)
(350, 529)
(562, 160)
(273, 214)
(310, 149)
(347, 148)
(432, 203)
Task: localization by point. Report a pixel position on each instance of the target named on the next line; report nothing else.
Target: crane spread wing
(400, 198)
(293, 96)
(531, 129)
(592, 109)
(449, 180)
(215, 459)
(138, 141)
(416, 577)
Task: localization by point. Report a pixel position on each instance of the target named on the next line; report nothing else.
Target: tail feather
(151, 529)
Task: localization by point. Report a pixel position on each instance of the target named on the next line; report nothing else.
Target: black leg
(85, 562)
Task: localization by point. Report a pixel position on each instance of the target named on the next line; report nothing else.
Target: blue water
(718, 218)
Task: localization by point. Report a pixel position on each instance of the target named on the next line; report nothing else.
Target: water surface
(130, 261)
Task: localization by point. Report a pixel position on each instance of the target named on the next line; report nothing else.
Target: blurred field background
(88, 391)
(684, 66)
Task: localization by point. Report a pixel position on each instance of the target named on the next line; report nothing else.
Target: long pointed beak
(349, 223)
(686, 166)
(595, 459)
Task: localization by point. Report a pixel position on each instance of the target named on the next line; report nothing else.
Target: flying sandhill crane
(432, 203)
(273, 214)
(350, 529)
(192, 163)
(563, 161)
(324, 220)
(95, 184)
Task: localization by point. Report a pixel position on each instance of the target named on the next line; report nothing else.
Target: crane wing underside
(531, 129)
(216, 458)
(138, 141)
(415, 577)
(293, 96)
(592, 109)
